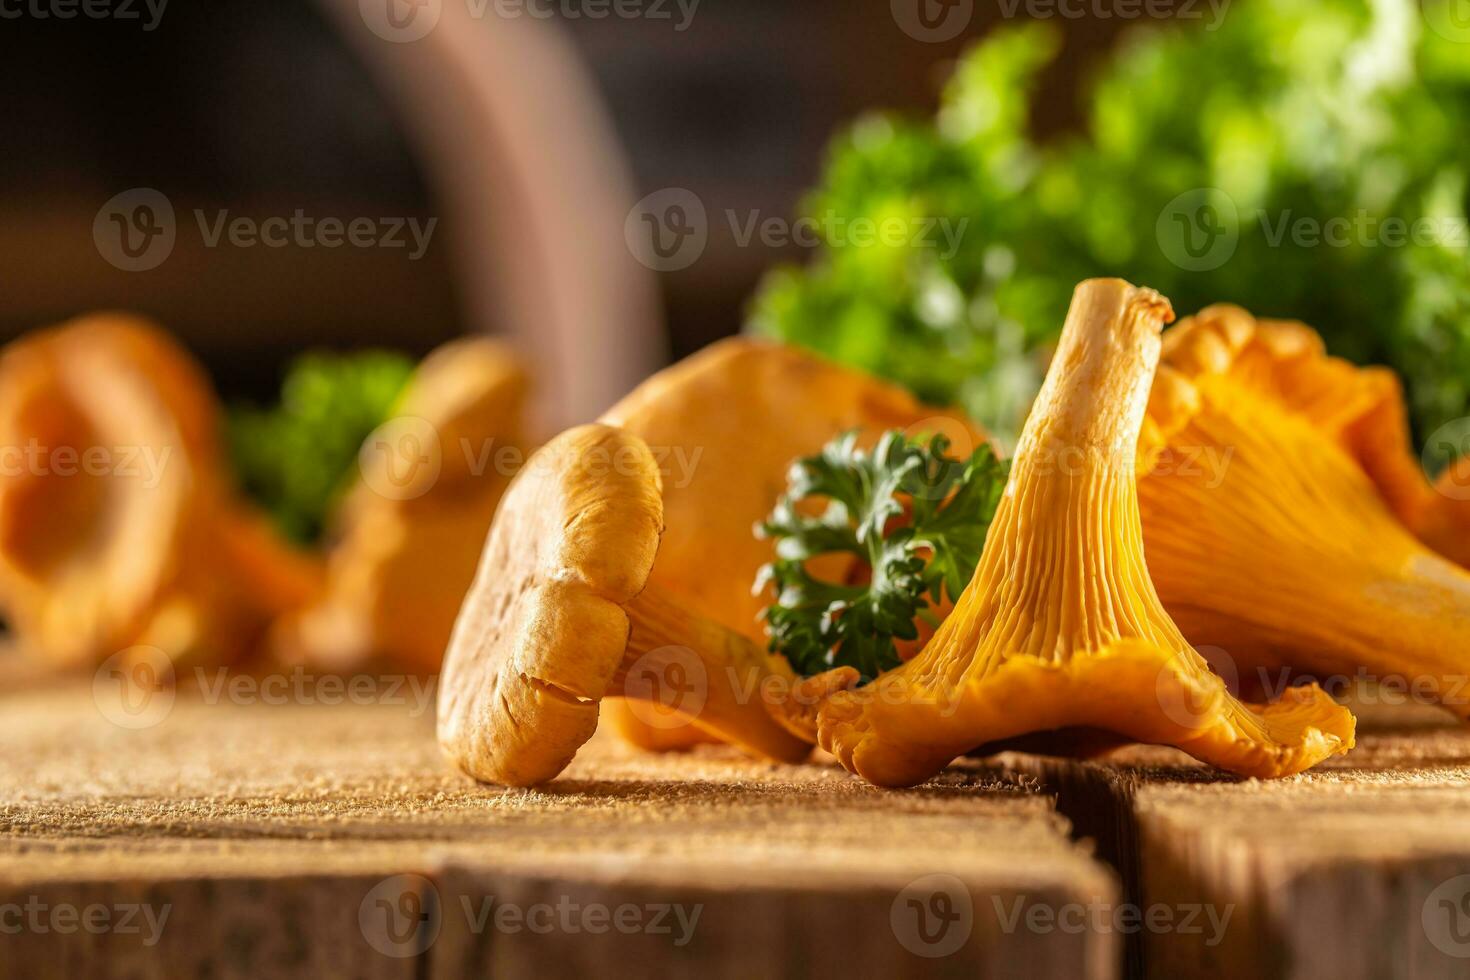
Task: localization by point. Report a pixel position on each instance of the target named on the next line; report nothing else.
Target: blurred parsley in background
(295, 458)
(1208, 159)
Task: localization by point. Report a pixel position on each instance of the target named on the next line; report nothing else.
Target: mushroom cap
(399, 566)
(726, 425)
(84, 556)
(542, 631)
(1361, 409)
(471, 392)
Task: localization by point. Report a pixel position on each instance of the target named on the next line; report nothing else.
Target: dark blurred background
(261, 107)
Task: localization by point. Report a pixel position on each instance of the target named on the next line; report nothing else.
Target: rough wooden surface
(1357, 869)
(331, 841)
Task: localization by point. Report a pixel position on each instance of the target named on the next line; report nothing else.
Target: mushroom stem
(1060, 626)
(688, 668)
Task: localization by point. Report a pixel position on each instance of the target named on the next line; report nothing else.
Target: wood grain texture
(317, 840)
(1357, 869)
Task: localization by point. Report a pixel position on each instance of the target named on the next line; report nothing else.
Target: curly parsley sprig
(293, 458)
(915, 517)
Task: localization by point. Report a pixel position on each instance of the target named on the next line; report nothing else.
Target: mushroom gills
(1269, 515)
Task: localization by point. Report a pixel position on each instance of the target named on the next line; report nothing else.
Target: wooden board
(1357, 869)
(319, 840)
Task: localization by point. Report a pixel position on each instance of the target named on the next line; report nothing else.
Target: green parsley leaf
(295, 458)
(914, 518)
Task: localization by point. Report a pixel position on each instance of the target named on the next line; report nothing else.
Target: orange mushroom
(410, 531)
(1060, 626)
(562, 614)
(1280, 508)
(727, 424)
(118, 525)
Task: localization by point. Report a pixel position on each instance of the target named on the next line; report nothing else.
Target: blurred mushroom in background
(410, 530)
(119, 523)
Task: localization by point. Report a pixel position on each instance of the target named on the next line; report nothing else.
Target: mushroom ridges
(1267, 520)
(1061, 626)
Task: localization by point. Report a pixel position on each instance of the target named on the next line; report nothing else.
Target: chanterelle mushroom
(728, 422)
(1269, 513)
(403, 557)
(1061, 626)
(561, 614)
(118, 526)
